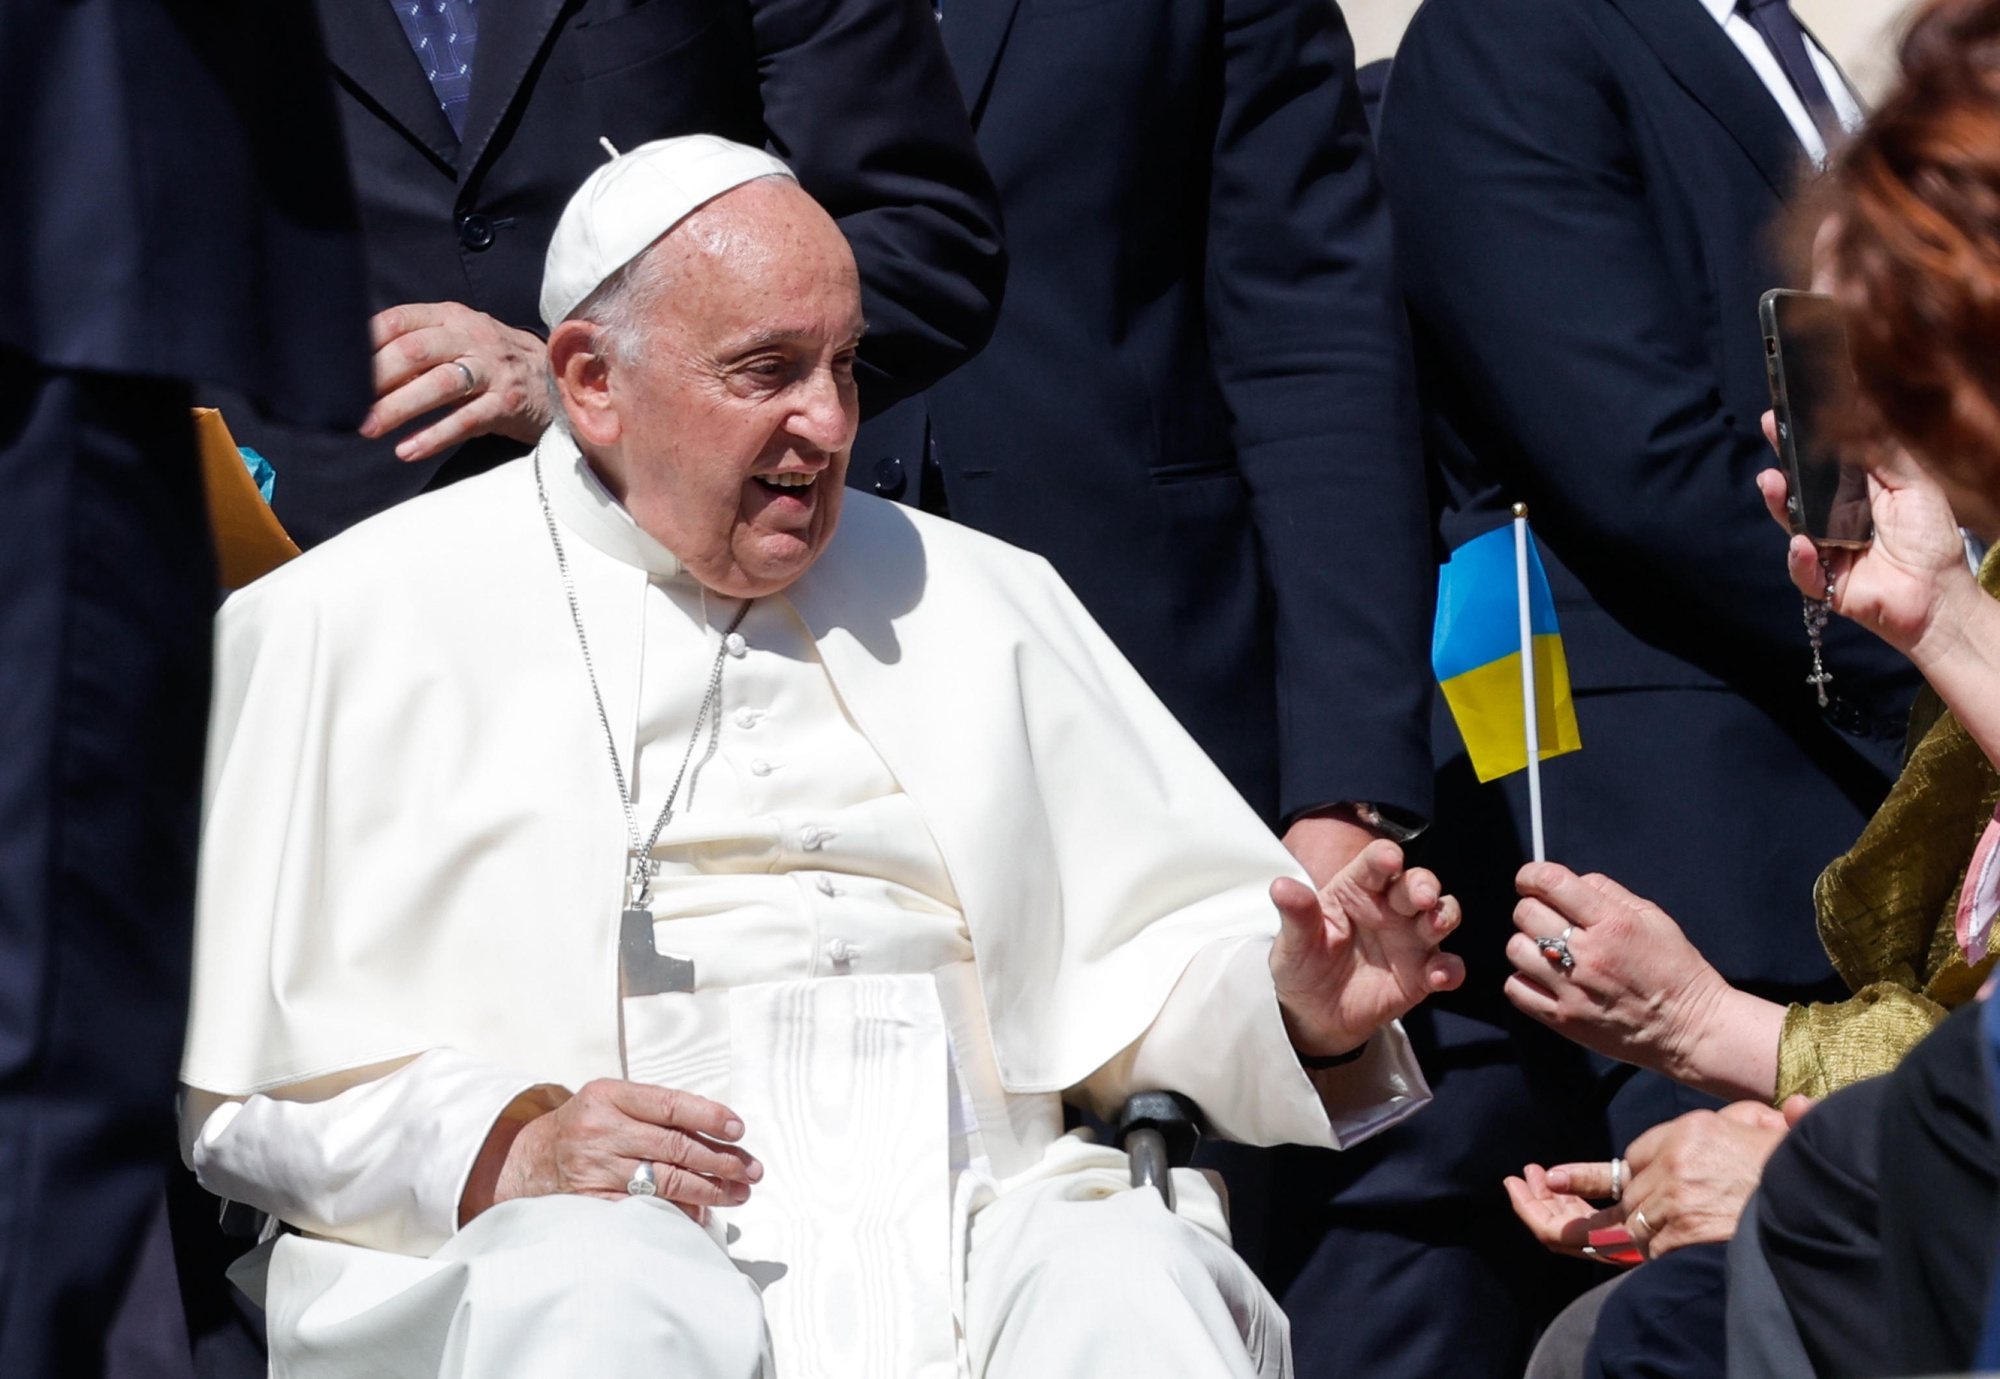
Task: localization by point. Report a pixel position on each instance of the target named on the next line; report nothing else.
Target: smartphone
(1812, 389)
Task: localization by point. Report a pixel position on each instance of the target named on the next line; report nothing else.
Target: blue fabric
(443, 34)
(1478, 608)
(261, 472)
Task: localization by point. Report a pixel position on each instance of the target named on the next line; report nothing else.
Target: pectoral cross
(643, 970)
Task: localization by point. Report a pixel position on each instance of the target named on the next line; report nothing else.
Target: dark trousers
(106, 590)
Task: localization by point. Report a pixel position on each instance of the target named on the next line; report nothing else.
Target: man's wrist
(1316, 1063)
(1384, 821)
(1311, 1045)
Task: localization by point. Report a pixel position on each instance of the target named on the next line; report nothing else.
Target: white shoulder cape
(411, 840)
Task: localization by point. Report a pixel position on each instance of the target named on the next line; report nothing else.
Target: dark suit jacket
(173, 202)
(1583, 193)
(1196, 403)
(854, 94)
(1587, 195)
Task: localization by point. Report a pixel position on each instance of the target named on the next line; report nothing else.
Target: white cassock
(944, 859)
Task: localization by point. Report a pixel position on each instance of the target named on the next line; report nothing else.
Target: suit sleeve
(859, 99)
(1538, 279)
(1312, 355)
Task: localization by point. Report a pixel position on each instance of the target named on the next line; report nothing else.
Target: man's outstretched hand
(1360, 952)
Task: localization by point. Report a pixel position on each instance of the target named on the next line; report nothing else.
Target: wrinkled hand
(1690, 1179)
(1905, 581)
(1360, 952)
(593, 1143)
(1639, 992)
(1561, 1221)
(428, 355)
(1324, 843)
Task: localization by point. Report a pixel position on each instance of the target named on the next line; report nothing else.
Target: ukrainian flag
(1476, 654)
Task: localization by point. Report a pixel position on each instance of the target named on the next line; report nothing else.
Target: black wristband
(1332, 1060)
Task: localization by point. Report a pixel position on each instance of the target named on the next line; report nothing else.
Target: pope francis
(641, 934)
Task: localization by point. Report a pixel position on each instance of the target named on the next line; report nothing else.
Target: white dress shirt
(1765, 64)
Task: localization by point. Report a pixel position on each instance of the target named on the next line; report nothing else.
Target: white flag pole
(1530, 718)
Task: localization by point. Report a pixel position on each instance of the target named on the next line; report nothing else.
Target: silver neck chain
(643, 866)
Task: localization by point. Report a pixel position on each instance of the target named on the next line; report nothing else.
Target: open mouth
(786, 483)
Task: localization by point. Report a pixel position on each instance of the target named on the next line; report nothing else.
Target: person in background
(1197, 400)
(175, 212)
(1196, 403)
(942, 861)
(469, 122)
(1582, 192)
(1874, 1218)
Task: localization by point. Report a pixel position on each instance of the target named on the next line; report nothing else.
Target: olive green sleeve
(1826, 1047)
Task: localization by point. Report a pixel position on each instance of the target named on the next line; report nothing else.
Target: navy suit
(1584, 193)
(854, 94)
(1197, 402)
(163, 224)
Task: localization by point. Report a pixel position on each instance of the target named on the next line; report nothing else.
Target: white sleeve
(1220, 1041)
(381, 1163)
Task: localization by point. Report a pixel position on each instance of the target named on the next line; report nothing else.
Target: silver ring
(1617, 1180)
(471, 383)
(1556, 949)
(642, 1183)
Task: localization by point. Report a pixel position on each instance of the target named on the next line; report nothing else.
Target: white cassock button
(746, 718)
(735, 644)
(826, 886)
(840, 952)
(760, 767)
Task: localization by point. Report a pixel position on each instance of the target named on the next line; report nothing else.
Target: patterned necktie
(443, 34)
(1786, 39)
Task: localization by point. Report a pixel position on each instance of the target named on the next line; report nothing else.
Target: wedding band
(1556, 949)
(642, 1183)
(470, 383)
(1617, 1180)
(1639, 1220)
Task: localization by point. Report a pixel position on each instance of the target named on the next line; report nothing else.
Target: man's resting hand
(493, 379)
(1362, 951)
(595, 1141)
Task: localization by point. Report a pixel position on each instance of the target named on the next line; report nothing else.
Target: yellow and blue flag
(1476, 654)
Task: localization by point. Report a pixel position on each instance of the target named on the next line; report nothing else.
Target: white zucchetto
(634, 199)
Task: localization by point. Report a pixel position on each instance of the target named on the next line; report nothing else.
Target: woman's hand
(1561, 1221)
(1908, 586)
(1637, 991)
(595, 1141)
(1684, 1183)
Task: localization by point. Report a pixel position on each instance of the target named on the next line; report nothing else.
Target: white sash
(842, 1086)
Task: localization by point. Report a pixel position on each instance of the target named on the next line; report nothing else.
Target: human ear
(582, 371)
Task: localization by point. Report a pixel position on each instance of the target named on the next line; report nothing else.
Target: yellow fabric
(1486, 704)
(1886, 912)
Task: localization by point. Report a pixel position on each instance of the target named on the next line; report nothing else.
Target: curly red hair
(1913, 245)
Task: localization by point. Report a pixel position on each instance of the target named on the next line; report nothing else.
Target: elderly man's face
(735, 420)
